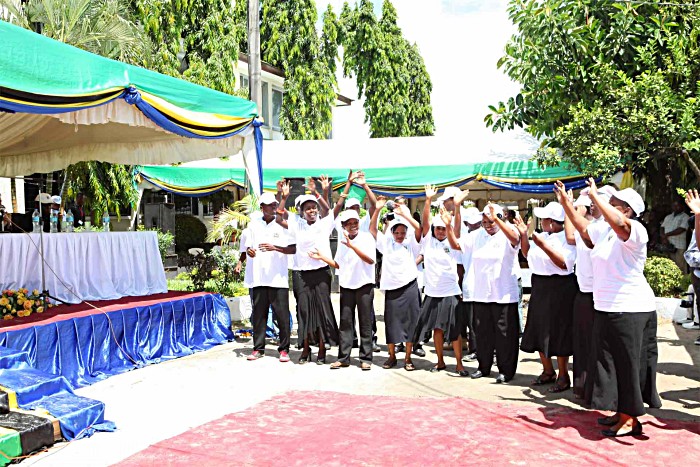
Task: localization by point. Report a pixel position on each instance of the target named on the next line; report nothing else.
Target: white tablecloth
(92, 265)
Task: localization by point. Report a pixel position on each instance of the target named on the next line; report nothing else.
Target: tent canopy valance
(391, 166)
(60, 105)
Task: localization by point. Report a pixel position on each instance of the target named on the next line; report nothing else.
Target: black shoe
(477, 374)
(419, 352)
(501, 378)
(607, 421)
(376, 348)
(463, 373)
(400, 348)
(470, 357)
(635, 431)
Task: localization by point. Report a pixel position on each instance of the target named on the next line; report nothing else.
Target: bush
(189, 231)
(664, 276)
(165, 241)
(214, 272)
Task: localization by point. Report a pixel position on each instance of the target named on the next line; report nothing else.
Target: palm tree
(232, 221)
(106, 28)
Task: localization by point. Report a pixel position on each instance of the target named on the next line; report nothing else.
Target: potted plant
(666, 280)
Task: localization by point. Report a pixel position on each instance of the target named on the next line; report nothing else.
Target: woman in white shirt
(494, 249)
(442, 292)
(625, 319)
(548, 329)
(355, 260)
(315, 315)
(400, 248)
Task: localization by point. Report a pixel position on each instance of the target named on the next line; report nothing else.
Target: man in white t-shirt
(266, 245)
(673, 232)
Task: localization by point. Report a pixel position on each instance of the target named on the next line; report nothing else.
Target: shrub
(663, 275)
(189, 231)
(214, 272)
(165, 241)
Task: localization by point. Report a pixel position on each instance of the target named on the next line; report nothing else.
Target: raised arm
(403, 211)
(430, 192)
(451, 237)
(458, 200)
(283, 189)
(324, 208)
(575, 218)
(373, 220)
(522, 230)
(556, 256)
(513, 236)
(341, 202)
(620, 224)
(692, 199)
(362, 181)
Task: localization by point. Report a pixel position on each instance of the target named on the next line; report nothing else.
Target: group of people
(589, 297)
(44, 203)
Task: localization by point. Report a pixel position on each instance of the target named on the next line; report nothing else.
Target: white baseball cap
(305, 198)
(267, 198)
(449, 192)
(496, 208)
(553, 210)
(397, 221)
(583, 200)
(631, 197)
(471, 215)
(351, 202)
(56, 199)
(347, 215)
(438, 222)
(43, 198)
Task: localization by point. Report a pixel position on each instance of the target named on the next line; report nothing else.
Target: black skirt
(438, 313)
(583, 337)
(401, 312)
(624, 375)
(550, 316)
(314, 307)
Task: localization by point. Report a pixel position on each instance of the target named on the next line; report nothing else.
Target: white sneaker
(691, 326)
(684, 321)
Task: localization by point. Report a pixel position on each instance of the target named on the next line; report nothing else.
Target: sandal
(545, 378)
(436, 368)
(390, 363)
(304, 358)
(408, 366)
(366, 366)
(336, 365)
(558, 387)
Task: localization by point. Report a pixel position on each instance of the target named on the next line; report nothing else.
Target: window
(265, 105)
(276, 108)
(243, 82)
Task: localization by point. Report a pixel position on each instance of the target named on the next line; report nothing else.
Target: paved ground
(161, 401)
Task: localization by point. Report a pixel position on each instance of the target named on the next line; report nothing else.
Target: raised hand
(280, 184)
(310, 185)
(537, 238)
(492, 212)
(285, 189)
(592, 188)
(381, 201)
(445, 215)
(560, 191)
(360, 179)
(325, 182)
(460, 197)
(346, 241)
(430, 192)
(402, 210)
(353, 176)
(692, 199)
(520, 225)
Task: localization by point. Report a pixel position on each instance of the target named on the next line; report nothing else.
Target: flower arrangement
(20, 303)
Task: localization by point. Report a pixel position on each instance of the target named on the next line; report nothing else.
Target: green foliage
(390, 72)
(608, 85)
(289, 40)
(205, 33)
(231, 222)
(189, 231)
(166, 241)
(214, 272)
(106, 186)
(664, 277)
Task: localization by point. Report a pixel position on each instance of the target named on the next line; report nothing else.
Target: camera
(388, 217)
(390, 205)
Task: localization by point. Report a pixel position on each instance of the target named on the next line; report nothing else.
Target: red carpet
(327, 428)
(63, 312)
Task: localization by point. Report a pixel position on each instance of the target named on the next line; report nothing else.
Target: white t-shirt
(619, 285)
(493, 261)
(584, 267)
(671, 223)
(311, 237)
(267, 268)
(540, 264)
(398, 260)
(353, 272)
(440, 267)
(466, 243)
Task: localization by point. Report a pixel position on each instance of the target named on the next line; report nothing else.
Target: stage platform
(44, 357)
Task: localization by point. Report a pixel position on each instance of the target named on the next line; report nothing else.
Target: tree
(390, 72)
(104, 27)
(608, 86)
(289, 41)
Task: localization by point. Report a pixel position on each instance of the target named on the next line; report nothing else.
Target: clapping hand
(360, 179)
(692, 199)
(430, 192)
(520, 225)
(446, 216)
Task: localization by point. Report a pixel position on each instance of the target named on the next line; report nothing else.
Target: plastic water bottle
(105, 222)
(69, 221)
(36, 217)
(54, 221)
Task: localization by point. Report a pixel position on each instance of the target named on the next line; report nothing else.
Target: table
(84, 266)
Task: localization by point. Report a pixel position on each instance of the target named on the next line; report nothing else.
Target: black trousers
(263, 299)
(467, 309)
(497, 327)
(374, 326)
(360, 299)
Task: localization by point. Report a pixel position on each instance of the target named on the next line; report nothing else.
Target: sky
(461, 42)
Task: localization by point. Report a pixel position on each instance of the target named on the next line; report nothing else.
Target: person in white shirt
(439, 312)
(493, 250)
(266, 245)
(673, 232)
(625, 321)
(315, 315)
(400, 248)
(354, 258)
(548, 329)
